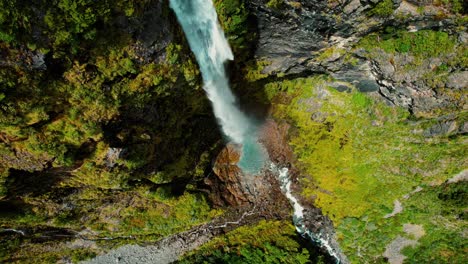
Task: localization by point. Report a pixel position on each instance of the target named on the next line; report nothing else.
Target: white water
(298, 216)
(199, 21)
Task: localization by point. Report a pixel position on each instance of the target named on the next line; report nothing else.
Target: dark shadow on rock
(23, 183)
(317, 255)
(13, 207)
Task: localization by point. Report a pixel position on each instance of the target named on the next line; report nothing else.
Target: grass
(423, 43)
(420, 50)
(264, 242)
(360, 155)
(384, 8)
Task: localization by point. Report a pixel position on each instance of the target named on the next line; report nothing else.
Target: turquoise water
(199, 21)
(253, 156)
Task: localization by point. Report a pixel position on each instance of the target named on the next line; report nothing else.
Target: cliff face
(303, 37)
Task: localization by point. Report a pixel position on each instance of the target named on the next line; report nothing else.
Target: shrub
(384, 8)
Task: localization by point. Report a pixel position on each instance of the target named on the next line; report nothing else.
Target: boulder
(228, 186)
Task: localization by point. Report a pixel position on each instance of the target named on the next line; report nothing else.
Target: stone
(352, 6)
(417, 231)
(38, 61)
(228, 186)
(460, 177)
(112, 155)
(397, 208)
(458, 80)
(367, 86)
(442, 128)
(393, 250)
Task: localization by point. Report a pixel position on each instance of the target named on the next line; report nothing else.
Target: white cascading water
(199, 21)
(298, 216)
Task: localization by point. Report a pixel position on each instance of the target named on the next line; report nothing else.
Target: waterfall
(199, 21)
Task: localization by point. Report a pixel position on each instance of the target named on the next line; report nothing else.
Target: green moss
(384, 8)
(359, 156)
(423, 43)
(275, 4)
(329, 53)
(253, 70)
(441, 210)
(233, 15)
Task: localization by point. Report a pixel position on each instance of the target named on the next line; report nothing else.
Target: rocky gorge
(107, 138)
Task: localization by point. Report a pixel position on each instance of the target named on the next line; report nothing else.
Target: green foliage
(456, 6)
(423, 43)
(442, 210)
(81, 254)
(384, 8)
(420, 48)
(233, 16)
(253, 70)
(63, 25)
(96, 93)
(163, 216)
(275, 4)
(359, 100)
(14, 18)
(266, 242)
(360, 156)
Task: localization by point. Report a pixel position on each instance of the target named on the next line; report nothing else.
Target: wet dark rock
(153, 31)
(288, 36)
(342, 88)
(360, 75)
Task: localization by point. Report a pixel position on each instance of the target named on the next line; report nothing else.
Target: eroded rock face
(228, 184)
(154, 32)
(288, 35)
(304, 37)
(292, 34)
(274, 138)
